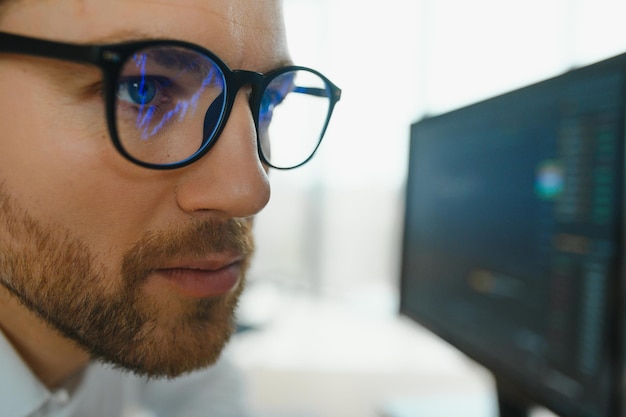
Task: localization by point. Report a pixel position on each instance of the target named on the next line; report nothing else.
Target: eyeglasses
(168, 101)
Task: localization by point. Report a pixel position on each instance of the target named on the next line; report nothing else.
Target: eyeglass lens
(171, 99)
(297, 105)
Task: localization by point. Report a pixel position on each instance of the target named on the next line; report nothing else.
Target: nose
(230, 179)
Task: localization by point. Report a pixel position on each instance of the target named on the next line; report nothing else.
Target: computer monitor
(513, 239)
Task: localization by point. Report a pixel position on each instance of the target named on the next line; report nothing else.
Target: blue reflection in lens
(182, 107)
(159, 99)
(268, 102)
(274, 95)
(143, 91)
(143, 119)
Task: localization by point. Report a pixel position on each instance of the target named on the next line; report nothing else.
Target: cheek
(46, 144)
(42, 132)
(58, 163)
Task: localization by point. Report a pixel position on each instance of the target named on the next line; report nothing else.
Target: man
(129, 177)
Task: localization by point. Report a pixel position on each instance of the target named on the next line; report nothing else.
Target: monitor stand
(510, 402)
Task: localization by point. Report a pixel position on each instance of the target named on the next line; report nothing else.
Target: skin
(82, 230)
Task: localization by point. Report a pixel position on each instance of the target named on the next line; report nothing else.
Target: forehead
(246, 34)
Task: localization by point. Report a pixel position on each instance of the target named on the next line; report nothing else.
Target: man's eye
(141, 91)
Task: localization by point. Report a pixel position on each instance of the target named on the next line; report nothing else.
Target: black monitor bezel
(506, 381)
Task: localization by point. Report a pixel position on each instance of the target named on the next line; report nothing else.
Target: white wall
(334, 226)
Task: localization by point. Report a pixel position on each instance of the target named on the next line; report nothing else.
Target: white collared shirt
(105, 392)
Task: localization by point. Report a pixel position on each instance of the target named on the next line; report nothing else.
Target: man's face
(141, 268)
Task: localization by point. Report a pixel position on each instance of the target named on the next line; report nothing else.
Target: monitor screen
(513, 236)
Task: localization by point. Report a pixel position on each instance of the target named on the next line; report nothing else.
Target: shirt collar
(22, 392)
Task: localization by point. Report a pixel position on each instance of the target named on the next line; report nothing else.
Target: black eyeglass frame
(110, 58)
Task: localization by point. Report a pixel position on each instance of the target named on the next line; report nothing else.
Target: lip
(203, 278)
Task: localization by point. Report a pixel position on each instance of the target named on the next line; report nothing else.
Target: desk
(317, 357)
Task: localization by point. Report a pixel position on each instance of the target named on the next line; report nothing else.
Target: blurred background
(322, 302)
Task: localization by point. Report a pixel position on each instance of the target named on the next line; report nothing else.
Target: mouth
(206, 278)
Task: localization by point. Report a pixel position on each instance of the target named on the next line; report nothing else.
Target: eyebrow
(131, 35)
(122, 36)
(181, 60)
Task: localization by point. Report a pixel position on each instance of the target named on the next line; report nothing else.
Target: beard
(56, 276)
